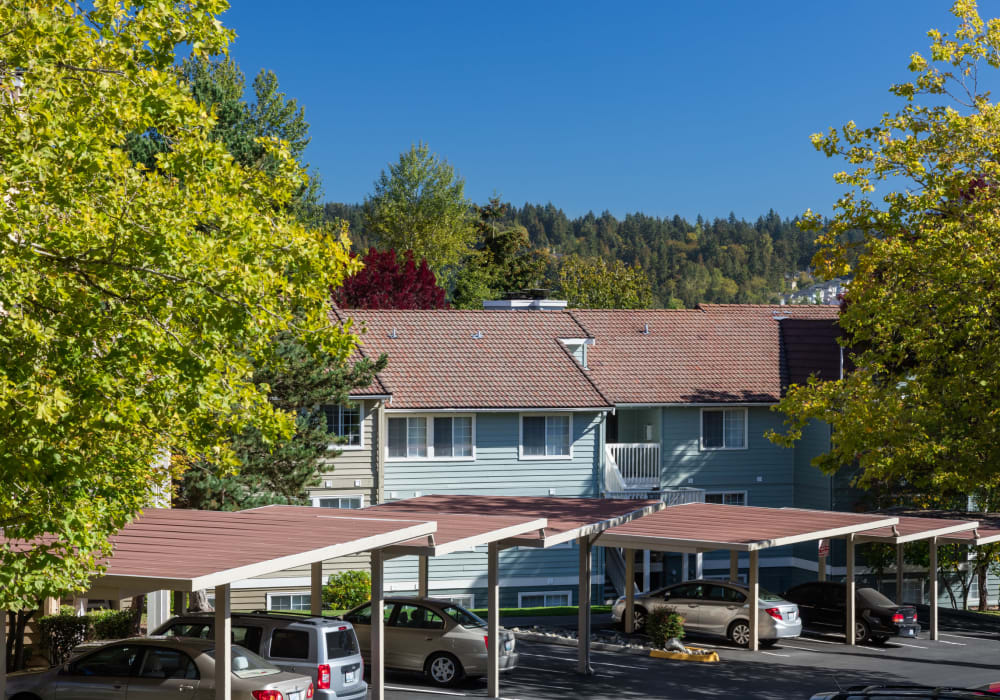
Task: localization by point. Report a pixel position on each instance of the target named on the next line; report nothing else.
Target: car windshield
(873, 597)
(463, 616)
(246, 664)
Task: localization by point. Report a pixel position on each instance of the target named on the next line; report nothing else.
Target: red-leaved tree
(385, 282)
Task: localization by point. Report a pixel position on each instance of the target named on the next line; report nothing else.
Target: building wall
(812, 487)
(353, 471)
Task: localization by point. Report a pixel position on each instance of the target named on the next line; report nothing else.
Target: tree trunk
(138, 606)
(982, 571)
(198, 602)
(14, 652)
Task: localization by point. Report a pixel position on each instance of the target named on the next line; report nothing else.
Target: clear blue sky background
(663, 107)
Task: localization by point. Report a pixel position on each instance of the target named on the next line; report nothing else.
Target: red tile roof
(437, 360)
(717, 353)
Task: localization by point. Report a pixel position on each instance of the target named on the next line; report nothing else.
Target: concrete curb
(599, 646)
(705, 657)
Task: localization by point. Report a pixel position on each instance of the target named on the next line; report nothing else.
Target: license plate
(508, 645)
(350, 677)
(295, 695)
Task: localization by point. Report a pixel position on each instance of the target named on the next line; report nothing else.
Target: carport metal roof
(188, 550)
(914, 529)
(705, 527)
(455, 532)
(977, 537)
(567, 518)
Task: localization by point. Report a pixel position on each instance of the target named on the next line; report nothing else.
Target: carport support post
(493, 621)
(933, 575)
(821, 567)
(316, 589)
(753, 611)
(423, 574)
(3, 653)
(699, 565)
(849, 603)
(899, 574)
(223, 643)
(629, 615)
(377, 656)
(734, 565)
(583, 619)
(646, 565)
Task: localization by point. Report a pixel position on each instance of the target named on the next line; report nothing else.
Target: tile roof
(437, 358)
(716, 353)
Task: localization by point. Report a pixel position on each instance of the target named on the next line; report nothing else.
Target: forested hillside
(724, 260)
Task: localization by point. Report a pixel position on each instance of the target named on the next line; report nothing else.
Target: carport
(188, 550)
(568, 519)
(707, 527)
(917, 529)
(455, 532)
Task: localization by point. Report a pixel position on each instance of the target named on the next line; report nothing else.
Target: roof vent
(645, 329)
(393, 334)
(478, 335)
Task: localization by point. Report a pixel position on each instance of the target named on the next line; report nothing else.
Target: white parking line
(593, 663)
(957, 644)
(819, 641)
(962, 636)
(909, 645)
(789, 646)
(424, 690)
(771, 653)
(547, 670)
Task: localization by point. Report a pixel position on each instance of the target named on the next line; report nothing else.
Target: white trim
(568, 594)
(701, 430)
(536, 458)
(270, 594)
(429, 437)
(362, 411)
(434, 584)
(744, 492)
(469, 543)
(316, 499)
(523, 409)
(730, 404)
(962, 526)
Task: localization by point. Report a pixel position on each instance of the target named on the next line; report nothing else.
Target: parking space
(793, 669)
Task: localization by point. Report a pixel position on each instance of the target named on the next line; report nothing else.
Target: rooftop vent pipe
(477, 335)
(393, 334)
(645, 329)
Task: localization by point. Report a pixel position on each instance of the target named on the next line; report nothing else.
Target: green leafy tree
(135, 303)
(419, 205)
(347, 589)
(921, 316)
(594, 283)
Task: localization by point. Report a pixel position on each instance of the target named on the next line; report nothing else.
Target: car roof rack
(277, 615)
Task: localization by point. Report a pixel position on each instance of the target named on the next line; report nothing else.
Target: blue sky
(662, 107)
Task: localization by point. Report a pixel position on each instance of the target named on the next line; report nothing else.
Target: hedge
(60, 633)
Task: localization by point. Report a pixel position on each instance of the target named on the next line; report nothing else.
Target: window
(543, 599)
(724, 429)
(288, 601)
(111, 661)
(545, 436)
(345, 422)
(290, 644)
(453, 437)
(466, 600)
(418, 617)
(348, 502)
(432, 437)
(363, 615)
(729, 498)
(341, 643)
(167, 663)
(248, 637)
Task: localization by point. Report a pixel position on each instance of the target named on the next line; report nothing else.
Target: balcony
(632, 470)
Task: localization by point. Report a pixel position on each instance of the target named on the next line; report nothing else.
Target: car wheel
(639, 619)
(443, 669)
(861, 631)
(739, 633)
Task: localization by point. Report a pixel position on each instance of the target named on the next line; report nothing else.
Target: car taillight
(899, 617)
(323, 677)
(309, 691)
(267, 694)
(775, 613)
(486, 639)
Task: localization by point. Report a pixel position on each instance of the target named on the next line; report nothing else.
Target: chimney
(525, 300)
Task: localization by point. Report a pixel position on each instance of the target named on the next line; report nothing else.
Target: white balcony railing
(637, 465)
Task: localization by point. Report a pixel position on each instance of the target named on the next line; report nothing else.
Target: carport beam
(316, 589)
(223, 643)
(423, 573)
(899, 574)
(753, 611)
(933, 576)
(734, 566)
(849, 603)
(583, 619)
(629, 613)
(377, 684)
(493, 621)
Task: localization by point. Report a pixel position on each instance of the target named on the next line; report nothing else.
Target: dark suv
(822, 605)
(323, 648)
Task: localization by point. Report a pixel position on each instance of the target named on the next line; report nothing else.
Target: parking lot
(795, 669)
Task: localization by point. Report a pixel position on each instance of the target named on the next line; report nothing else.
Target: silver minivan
(719, 608)
(324, 648)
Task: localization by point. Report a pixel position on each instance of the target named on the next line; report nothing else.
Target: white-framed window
(289, 601)
(432, 437)
(723, 428)
(546, 436)
(544, 599)
(466, 600)
(728, 498)
(345, 421)
(352, 502)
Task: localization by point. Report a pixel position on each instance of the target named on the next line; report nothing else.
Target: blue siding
(813, 488)
(497, 469)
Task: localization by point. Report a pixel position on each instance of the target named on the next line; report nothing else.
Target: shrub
(663, 624)
(60, 633)
(347, 589)
(112, 624)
